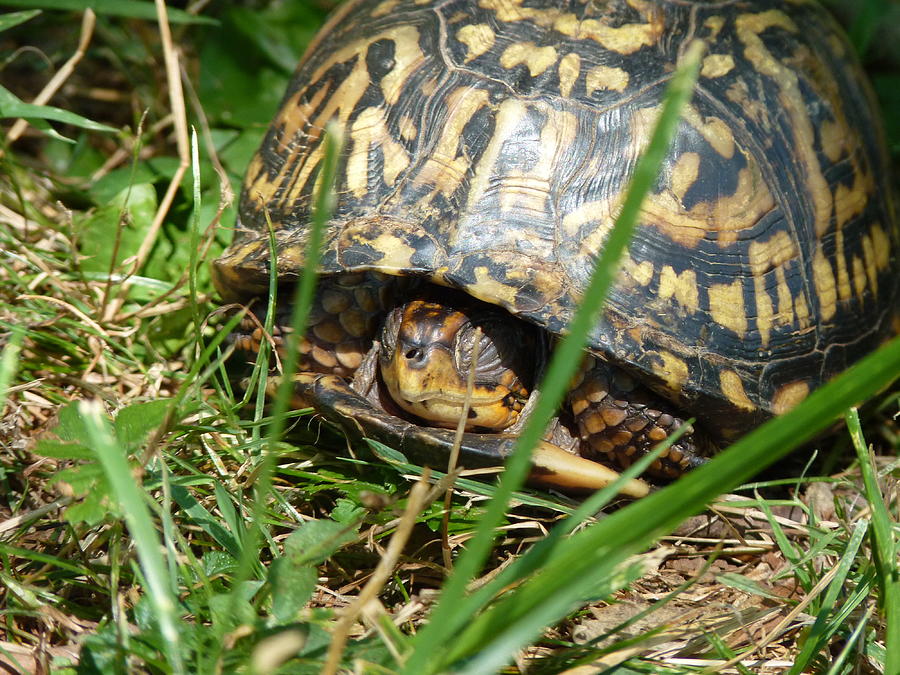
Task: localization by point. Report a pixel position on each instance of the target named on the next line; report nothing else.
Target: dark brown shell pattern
(488, 145)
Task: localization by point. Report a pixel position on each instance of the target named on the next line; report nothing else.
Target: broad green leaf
(107, 238)
(316, 540)
(134, 423)
(62, 449)
(292, 585)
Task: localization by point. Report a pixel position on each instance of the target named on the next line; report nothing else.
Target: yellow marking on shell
(717, 65)
(384, 8)
(407, 127)
(569, 69)
(733, 389)
(801, 311)
(859, 277)
(789, 396)
(599, 212)
(823, 278)
(714, 131)
(785, 314)
(478, 39)
(685, 173)
(773, 252)
(429, 87)
(641, 272)
(408, 58)
(749, 27)
(726, 306)
(882, 245)
(739, 93)
(728, 215)
(537, 59)
(870, 264)
(290, 122)
(486, 286)
(851, 202)
(397, 252)
(509, 116)
(714, 25)
(624, 39)
(832, 136)
(530, 191)
(605, 77)
(369, 131)
(512, 10)
(683, 287)
(444, 168)
(843, 278)
(672, 370)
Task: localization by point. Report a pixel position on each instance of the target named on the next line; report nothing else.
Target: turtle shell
(488, 145)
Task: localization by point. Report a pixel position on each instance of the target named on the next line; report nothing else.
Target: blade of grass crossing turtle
(885, 544)
(303, 294)
(302, 302)
(451, 614)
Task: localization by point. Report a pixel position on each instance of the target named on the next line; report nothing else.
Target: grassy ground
(146, 526)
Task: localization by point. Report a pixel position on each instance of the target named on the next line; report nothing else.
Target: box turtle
(487, 147)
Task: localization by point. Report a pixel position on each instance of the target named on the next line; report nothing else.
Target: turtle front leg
(343, 319)
(621, 420)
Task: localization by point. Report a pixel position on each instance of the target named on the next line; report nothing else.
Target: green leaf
(133, 9)
(134, 423)
(12, 107)
(292, 585)
(107, 238)
(11, 19)
(62, 449)
(316, 540)
(91, 511)
(71, 426)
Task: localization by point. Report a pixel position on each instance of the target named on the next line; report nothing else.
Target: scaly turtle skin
(488, 145)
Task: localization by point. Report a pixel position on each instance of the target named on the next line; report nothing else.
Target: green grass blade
(447, 617)
(133, 9)
(884, 543)
(140, 525)
(12, 19)
(822, 630)
(11, 107)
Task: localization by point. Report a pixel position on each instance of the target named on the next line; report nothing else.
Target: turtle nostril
(415, 354)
